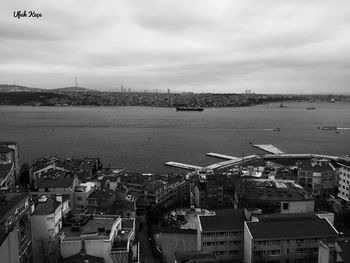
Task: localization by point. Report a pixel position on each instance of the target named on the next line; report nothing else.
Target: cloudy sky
(267, 46)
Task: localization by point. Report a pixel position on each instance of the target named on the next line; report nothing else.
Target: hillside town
(77, 96)
(261, 208)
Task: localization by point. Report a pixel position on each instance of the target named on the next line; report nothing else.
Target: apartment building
(107, 237)
(286, 239)
(156, 192)
(318, 177)
(15, 231)
(222, 234)
(344, 178)
(46, 223)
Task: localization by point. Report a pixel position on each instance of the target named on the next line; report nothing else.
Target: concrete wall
(299, 207)
(99, 248)
(9, 250)
(70, 248)
(247, 247)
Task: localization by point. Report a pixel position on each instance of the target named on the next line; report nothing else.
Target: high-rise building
(15, 231)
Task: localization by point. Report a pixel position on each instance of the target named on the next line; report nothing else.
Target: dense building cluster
(267, 210)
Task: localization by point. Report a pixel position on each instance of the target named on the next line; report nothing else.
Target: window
(80, 198)
(285, 206)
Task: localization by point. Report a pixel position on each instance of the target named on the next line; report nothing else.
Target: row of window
(227, 252)
(222, 243)
(307, 240)
(222, 234)
(306, 250)
(267, 242)
(267, 252)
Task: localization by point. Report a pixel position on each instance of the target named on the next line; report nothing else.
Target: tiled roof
(59, 182)
(228, 219)
(101, 194)
(291, 229)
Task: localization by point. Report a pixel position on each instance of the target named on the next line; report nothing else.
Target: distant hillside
(17, 88)
(72, 89)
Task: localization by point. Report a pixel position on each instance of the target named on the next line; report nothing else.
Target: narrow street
(146, 253)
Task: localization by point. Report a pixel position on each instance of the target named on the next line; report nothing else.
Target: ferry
(328, 127)
(189, 109)
(311, 108)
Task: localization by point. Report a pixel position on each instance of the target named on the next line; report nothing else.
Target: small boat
(276, 129)
(310, 108)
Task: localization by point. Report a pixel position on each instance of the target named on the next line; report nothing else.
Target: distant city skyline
(230, 46)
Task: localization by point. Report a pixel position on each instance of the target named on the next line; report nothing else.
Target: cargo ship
(189, 109)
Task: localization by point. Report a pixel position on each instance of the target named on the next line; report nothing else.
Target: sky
(222, 46)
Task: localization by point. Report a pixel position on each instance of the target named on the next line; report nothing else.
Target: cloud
(211, 46)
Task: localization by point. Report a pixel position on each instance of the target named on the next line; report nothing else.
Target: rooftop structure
(46, 206)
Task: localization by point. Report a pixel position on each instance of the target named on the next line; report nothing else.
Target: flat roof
(98, 227)
(227, 219)
(291, 229)
(274, 190)
(47, 207)
(83, 258)
(316, 166)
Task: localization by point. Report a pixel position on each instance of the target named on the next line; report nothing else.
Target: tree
(24, 175)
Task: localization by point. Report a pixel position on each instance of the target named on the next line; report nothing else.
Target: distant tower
(122, 89)
(168, 91)
(76, 82)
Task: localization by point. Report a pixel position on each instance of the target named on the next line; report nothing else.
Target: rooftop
(153, 185)
(316, 166)
(194, 257)
(292, 229)
(57, 182)
(47, 207)
(101, 194)
(274, 190)
(225, 219)
(94, 228)
(10, 201)
(83, 258)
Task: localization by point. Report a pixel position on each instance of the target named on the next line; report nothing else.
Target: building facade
(222, 235)
(15, 230)
(344, 179)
